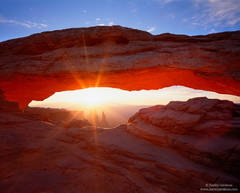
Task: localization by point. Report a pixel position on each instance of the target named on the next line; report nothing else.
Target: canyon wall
(37, 66)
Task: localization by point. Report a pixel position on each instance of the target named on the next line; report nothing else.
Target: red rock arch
(37, 66)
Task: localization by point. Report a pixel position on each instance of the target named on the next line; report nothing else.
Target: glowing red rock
(37, 66)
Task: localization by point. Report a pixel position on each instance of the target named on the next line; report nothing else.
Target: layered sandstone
(206, 131)
(155, 152)
(35, 67)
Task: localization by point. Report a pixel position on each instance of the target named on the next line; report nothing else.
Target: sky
(118, 105)
(20, 18)
(104, 97)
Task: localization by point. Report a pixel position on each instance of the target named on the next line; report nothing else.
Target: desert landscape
(179, 147)
(113, 109)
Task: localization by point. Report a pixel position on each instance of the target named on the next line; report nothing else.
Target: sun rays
(104, 97)
(91, 97)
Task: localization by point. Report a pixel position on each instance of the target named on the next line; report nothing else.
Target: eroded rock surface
(35, 67)
(156, 152)
(7, 106)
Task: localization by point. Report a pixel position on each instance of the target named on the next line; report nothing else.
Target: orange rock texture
(37, 66)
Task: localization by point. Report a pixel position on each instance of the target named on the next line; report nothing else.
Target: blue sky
(20, 18)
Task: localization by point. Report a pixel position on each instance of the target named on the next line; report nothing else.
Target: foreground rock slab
(176, 148)
(37, 66)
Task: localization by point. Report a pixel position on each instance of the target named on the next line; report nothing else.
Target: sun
(92, 97)
(88, 98)
(101, 98)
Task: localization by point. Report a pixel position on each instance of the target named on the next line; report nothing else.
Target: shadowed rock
(147, 155)
(7, 106)
(204, 130)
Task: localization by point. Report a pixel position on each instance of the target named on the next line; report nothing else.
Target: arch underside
(23, 89)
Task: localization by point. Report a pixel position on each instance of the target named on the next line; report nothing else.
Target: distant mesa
(96, 121)
(76, 123)
(37, 66)
(104, 122)
(64, 118)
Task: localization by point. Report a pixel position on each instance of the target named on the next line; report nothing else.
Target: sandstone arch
(35, 67)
